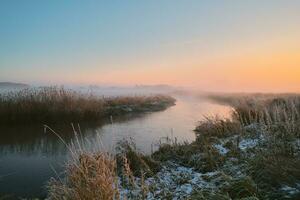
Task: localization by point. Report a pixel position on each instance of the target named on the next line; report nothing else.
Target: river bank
(252, 155)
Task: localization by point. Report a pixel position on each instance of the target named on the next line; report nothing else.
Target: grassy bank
(52, 104)
(253, 155)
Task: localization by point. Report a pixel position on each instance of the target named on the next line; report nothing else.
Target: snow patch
(222, 150)
(248, 143)
(290, 190)
(172, 179)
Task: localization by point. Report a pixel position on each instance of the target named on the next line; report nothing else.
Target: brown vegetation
(92, 176)
(52, 104)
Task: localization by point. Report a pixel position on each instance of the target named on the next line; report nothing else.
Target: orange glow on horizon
(272, 67)
(273, 72)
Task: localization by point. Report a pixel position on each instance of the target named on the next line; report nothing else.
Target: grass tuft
(92, 176)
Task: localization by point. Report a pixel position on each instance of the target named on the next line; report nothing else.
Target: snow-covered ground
(173, 180)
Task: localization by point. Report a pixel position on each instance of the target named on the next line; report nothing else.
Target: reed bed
(54, 104)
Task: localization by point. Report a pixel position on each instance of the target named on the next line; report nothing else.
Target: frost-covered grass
(245, 157)
(260, 142)
(53, 104)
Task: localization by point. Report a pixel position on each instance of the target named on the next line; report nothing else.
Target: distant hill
(13, 85)
(160, 86)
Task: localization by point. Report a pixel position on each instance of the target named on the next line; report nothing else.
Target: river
(29, 156)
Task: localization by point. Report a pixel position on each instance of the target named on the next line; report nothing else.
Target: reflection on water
(28, 155)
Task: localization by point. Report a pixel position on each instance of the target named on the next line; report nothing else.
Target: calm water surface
(29, 156)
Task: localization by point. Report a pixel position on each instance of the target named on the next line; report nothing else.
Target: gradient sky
(212, 45)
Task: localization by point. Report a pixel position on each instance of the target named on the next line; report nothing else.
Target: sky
(212, 45)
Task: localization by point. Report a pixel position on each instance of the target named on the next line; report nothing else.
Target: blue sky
(71, 41)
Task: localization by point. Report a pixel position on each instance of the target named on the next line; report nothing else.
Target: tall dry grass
(100, 176)
(89, 174)
(92, 176)
(53, 104)
(96, 174)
